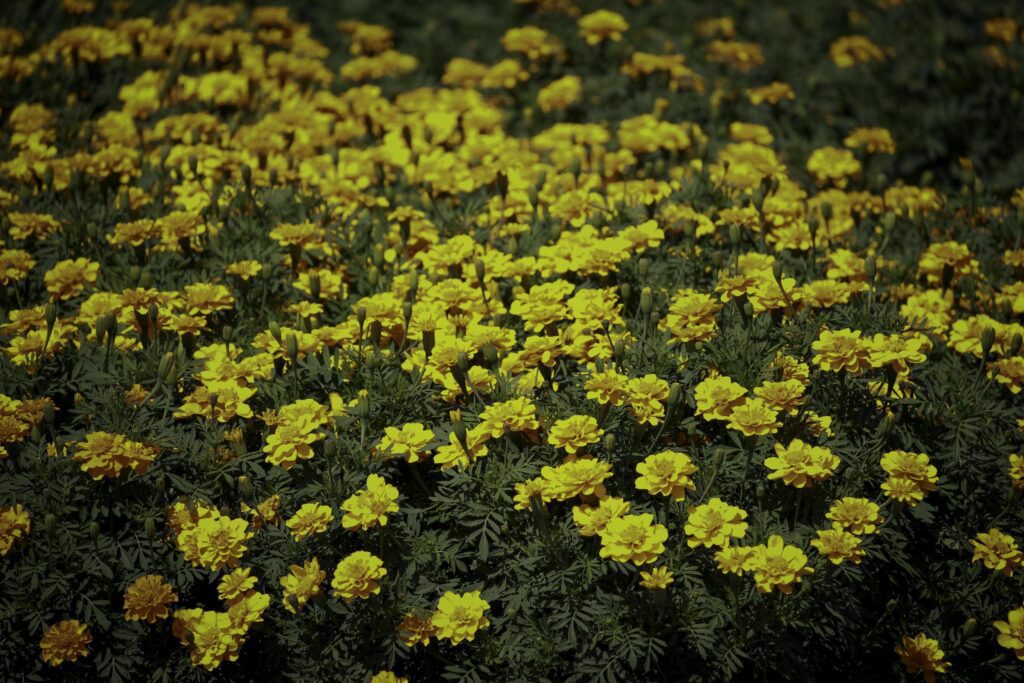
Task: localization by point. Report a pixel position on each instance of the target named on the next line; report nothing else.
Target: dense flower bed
(561, 343)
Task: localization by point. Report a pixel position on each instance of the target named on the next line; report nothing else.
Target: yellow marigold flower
(848, 51)
(302, 584)
(1017, 471)
(607, 387)
(538, 488)
(1008, 372)
(874, 140)
(388, 677)
(65, 641)
(733, 559)
(836, 350)
(777, 565)
(786, 396)
(236, 585)
(800, 464)
(265, 512)
(602, 25)
(998, 551)
(515, 415)
(833, 166)
(560, 94)
(657, 579)
(857, 515)
(740, 55)
(593, 519)
(459, 617)
(754, 417)
(715, 523)
(292, 440)
(645, 397)
(717, 397)
(633, 538)
(950, 256)
(370, 506)
(581, 477)
(147, 598)
(912, 466)
(773, 93)
(107, 455)
(357, 576)
(15, 524)
(921, 653)
(906, 491)
(457, 454)
(245, 269)
(220, 400)
(415, 628)
(667, 474)
(407, 442)
(838, 545)
(211, 637)
(896, 351)
(69, 277)
(1011, 632)
(574, 433)
(215, 541)
(310, 519)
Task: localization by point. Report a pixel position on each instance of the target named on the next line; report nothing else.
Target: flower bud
(428, 343)
(734, 234)
(51, 317)
(292, 347)
(646, 301)
(1015, 344)
(150, 526)
(609, 443)
(970, 627)
(988, 338)
(643, 268)
(675, 393)
(244, 485)
(94, 531)
(870, 268)
(414, 284)
(625, 290)
(275, 331)
(50, 523)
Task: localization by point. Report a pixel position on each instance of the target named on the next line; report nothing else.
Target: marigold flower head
(574, 433)
(838, 545)
(357, 576)
(302, 584)
(1011, 632)
(236, 585)
(857, 515)
(777, 565)
(754, 417)
(998, 551)
(656, 579)
(602, 25)
(592, 520)
(921, 653)
(580, 477)
(65, 641)
(717, 397)
(15, 524)
(837, 350)
(633, 538)
(800, 464)
(459, 617)
(147, 598)
(666, 473)
(371, 506)
(515, 415)
(310, 519)
(715, 523)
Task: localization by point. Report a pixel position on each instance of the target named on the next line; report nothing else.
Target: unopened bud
(94, 531)
(646, 301)
(150, 526)
(50, 523)
(988, 338)
(734, 234)
(51, 316)
(275, 331)
(245, 485)
(870, 268)
(970, 627)
(675, 393)
(292, 347)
